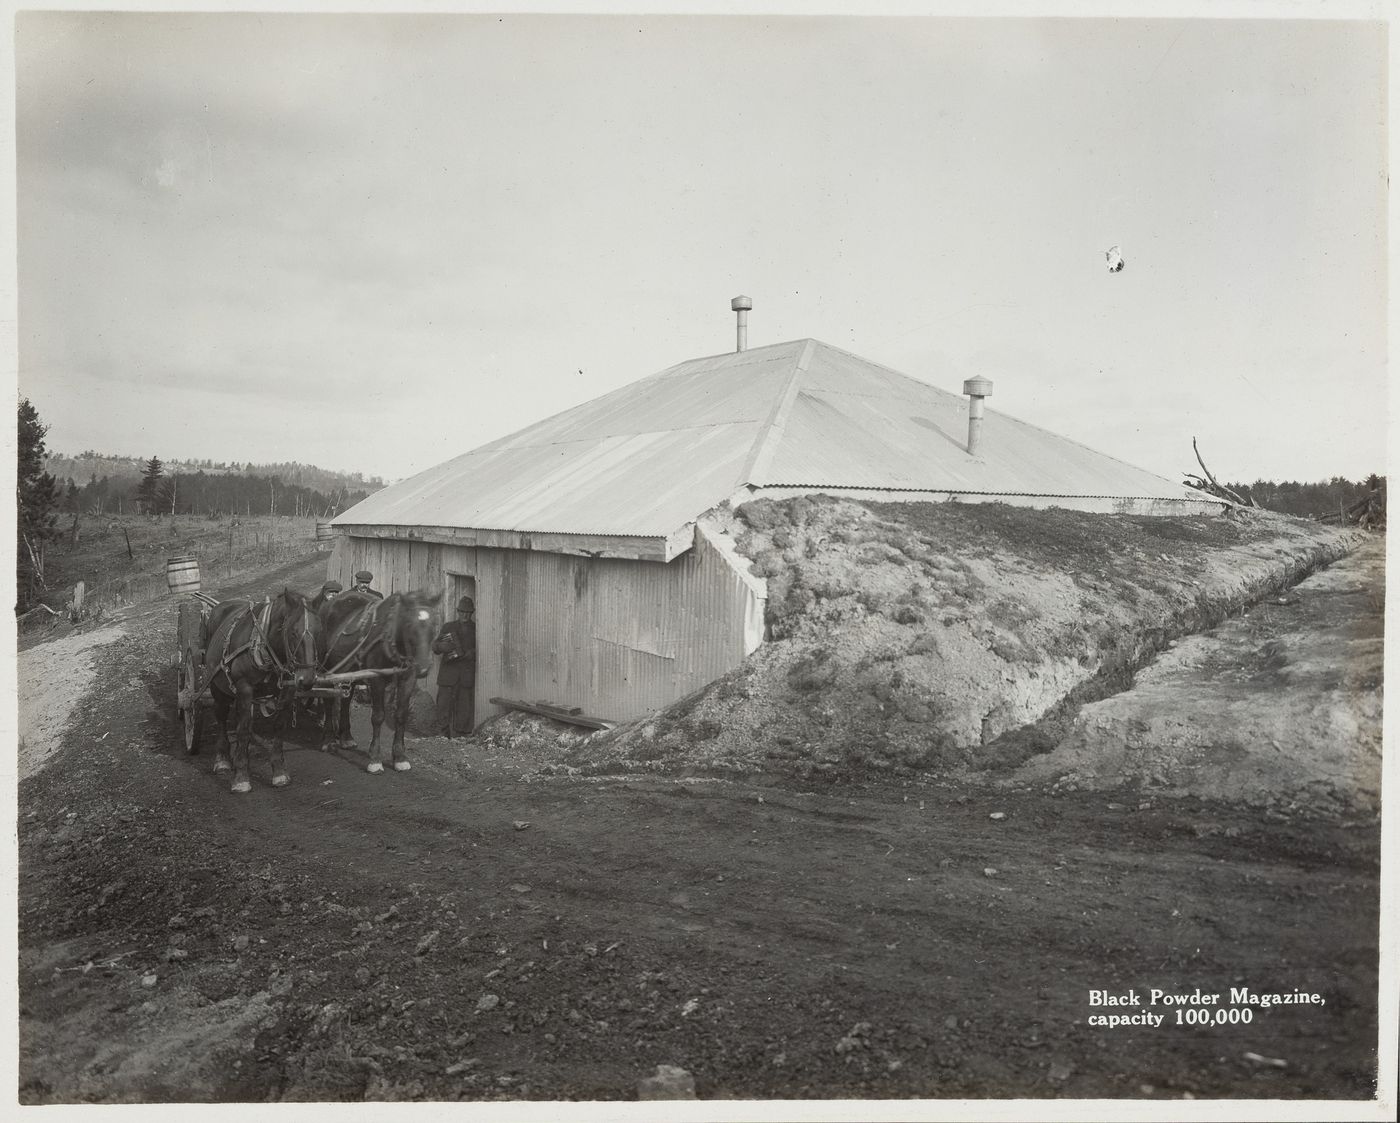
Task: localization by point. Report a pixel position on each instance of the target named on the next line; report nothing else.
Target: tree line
(157, 492)
(1310, 500)
(41, 498)
(90, 463)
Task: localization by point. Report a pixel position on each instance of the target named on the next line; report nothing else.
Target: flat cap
(364, 577)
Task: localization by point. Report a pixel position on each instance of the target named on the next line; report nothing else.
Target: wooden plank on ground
(541, 709)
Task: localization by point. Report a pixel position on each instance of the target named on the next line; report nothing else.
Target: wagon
(192, 693)
(191, 641)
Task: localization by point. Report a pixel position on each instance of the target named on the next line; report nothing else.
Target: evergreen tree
(150, 492)
(36, 507)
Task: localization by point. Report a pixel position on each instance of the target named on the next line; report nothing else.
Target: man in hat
(325, 596)
(361, 585)
(456, 697)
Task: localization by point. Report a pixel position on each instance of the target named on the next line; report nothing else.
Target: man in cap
(325, 596)
(361, 585)
(456, 697)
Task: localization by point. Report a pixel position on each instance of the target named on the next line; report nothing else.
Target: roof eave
(636, 547)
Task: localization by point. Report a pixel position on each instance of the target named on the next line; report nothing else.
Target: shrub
(812, 672)
(1011, 614)
(872, 601)
(761, 514)
(1009, 648)
(768, 564)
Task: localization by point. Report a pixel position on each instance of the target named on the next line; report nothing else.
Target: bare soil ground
(499, 923)
(47, 686)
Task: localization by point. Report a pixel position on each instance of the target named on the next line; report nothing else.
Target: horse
(361, 632)
(258, 650)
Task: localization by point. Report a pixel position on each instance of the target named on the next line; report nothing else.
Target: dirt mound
(946, 637)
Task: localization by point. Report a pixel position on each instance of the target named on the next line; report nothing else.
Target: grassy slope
(100, 558)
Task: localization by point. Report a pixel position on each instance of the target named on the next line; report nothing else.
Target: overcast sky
(374, 242)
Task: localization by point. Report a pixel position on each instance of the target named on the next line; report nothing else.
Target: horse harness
(258, 645)
(362, 622)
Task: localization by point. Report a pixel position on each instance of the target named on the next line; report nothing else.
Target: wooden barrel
(325, 532)
(182, 574)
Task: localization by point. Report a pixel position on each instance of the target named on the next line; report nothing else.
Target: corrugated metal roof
(856, 424)
(650, 457)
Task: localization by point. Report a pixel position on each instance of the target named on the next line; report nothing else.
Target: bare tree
(1211, 486)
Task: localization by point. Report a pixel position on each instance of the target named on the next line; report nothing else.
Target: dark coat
(456, 643)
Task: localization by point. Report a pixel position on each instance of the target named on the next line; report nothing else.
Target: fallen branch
(1368, 512)
(1211, 485)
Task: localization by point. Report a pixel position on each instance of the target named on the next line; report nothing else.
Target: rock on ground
(668, 1083)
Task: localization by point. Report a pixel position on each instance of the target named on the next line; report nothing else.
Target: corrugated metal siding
(616, 638)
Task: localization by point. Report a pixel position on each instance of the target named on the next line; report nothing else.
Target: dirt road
(474, 929)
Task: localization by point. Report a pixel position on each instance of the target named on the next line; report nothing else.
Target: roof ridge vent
(741, 306)
(977, 390)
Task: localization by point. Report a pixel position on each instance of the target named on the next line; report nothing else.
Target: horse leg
(241, 736)
(376, 719)
(280, 779)
(329, 734)
(222, 703)
(343, 730)
(403, 696)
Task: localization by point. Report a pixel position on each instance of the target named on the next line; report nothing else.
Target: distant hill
(82, 467)
(96, 481)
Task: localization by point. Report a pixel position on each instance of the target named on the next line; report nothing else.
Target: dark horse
(360, 632)
(258, 651)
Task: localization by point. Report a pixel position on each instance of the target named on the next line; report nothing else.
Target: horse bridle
(307, 645)
(308, 641)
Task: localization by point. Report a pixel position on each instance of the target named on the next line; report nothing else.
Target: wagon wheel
(187, 679)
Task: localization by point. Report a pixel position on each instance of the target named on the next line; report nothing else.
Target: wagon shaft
(357, 676)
